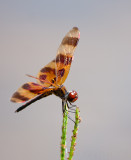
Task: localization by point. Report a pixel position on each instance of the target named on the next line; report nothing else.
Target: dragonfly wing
(57, 70)
(28, 91)
(65, 55)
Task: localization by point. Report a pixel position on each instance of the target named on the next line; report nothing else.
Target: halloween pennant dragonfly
(50, 79)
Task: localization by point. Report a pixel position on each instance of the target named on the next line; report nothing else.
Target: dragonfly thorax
(61, 92)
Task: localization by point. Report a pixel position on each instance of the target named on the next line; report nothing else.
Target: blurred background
(30, 33)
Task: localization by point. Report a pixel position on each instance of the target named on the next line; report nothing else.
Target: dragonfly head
(72, 96)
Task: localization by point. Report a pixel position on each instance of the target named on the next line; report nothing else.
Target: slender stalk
(64, 132)
(75, 132)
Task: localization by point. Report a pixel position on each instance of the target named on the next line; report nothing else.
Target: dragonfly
(50, 78)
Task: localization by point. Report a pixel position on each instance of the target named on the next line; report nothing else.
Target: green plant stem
(75, 132)
(64, 132)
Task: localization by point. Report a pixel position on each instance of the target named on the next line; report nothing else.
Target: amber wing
(57, 70)
(28, 91)
(54, 73)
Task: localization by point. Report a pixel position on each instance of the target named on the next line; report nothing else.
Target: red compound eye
(72, 96)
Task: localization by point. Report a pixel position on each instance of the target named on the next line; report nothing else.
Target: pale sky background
(30, 33)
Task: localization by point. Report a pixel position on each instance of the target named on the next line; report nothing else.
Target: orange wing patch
(57, 70)
(28, 91)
